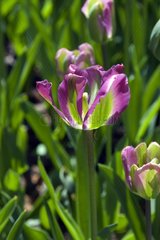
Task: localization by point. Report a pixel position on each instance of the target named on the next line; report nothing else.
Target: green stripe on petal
(146, 183)
(72, 106)
(141, 151)
(101, 112)
(84, 104)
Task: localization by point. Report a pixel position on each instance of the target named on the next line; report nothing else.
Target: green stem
(92, 184)
(86, 187)
(109, 145)
(148, 221)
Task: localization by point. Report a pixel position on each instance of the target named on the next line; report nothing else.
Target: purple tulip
(142, 169)
(89, 98)
(99, 14)
(82, 57)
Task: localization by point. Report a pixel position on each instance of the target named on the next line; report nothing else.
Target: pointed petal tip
(44, 89)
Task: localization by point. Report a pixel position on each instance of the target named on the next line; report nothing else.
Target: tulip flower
(89, 98)
(142, 169)
(83, 57)
(99, 14)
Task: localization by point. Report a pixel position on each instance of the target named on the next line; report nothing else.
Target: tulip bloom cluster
(89, 98)
(142, 169)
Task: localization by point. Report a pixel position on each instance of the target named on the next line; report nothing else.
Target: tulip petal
(141, 151)
(70, 94)
(121, 96)
(153, 151)
(129, 158)
(107, 17)
(45, 90)
(64, 58)
(111, 99)
(146, 180)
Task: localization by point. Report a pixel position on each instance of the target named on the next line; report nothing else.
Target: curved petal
(107, 17)
(111, 99)
(64, 58)
(121, 96)
(153, 151)
(45, 90)
(85, 57)
(129, 158)
(70, 94)
(146, 180)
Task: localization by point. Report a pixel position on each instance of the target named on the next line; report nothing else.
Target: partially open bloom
(82, 57)
(142, 169)
(100, 18)
(89, 98)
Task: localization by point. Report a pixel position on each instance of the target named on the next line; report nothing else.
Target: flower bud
(99, 14)
(82, 57)
(142, 169)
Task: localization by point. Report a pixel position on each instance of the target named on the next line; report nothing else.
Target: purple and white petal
(107, 17)
(129, 158)
(121, 96)
(146, 180)
(112, 82)
(71, 85)
(45, 90)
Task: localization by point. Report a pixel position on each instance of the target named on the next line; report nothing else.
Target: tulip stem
(148, 221)
(92, 184)
(109, 145)
(86, 187)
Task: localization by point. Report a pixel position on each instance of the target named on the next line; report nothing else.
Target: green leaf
(31, 232)
(54, 226)
(12, 180)
(147, 118)
(129, 236)
(7, 6)
(107, 230)
(13, 77)
(155, 41)
(31, 57)
(67, 219)
(6, 212)
(42, 131)
(151, 89)
(17, 227)
(128, 202)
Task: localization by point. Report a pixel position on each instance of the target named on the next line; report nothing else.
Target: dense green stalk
(86, 186)
(92, 184)
(148, 221)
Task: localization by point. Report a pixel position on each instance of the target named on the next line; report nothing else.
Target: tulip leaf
(128, 202)
(6, 212)
(54, 226)
(155, 40)
(147, 118)
(107, 230)
(67, 219)
(34, 233)
(151, 88)
(41, 129)
(17, 227)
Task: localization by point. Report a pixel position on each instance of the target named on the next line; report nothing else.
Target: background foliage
(31, 31)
